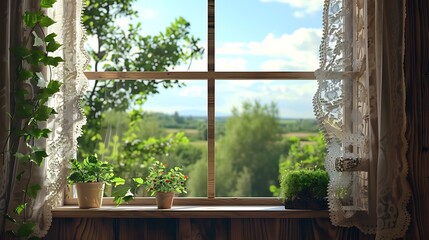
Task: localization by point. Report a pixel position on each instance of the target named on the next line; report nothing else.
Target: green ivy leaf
(52, 88)
(22, 157)
(19, 176)
(37, 156)
(139, 181)
(24, 74)
(50, 37)
(25, 230)
(53, 46)
(31, 18)
(33, 190)
(24, 109)
(18, 210)
(120, 193)
(35, 57)
(46, 21)
(118, 181)
(53, 61)
(47, 3)
(21, 51)
(43, 113)
(38, 133)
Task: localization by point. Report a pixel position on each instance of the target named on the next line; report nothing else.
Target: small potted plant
(90, 177)
(305, 188)
(164, 183)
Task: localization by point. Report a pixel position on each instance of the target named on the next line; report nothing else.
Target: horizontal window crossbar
(200, 75)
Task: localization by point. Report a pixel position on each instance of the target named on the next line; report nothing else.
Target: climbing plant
(32, 90)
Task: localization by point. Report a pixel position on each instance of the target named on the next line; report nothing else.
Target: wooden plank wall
(416, 68)
(195, 228)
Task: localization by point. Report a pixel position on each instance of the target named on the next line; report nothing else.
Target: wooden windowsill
(187, 212)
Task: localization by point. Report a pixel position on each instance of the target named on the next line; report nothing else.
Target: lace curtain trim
(67, 124)
(346, 106)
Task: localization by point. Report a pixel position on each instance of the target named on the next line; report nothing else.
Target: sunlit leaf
(139, 181)
(118, 181)
(18, 210)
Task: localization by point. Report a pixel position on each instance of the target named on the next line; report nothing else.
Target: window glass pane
(268, 35)
(263, 126)
(146, 35)
(131, 132)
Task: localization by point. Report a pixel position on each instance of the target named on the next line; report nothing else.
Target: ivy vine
(31, 109)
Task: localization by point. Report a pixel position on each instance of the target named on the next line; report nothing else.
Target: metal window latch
(348, 164)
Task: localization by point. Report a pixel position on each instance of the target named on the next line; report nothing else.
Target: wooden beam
(203, 75)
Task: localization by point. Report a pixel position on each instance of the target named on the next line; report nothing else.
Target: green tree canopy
(250, 150)
(174, 46)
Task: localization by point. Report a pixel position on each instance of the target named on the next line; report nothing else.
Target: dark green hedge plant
(304, 188)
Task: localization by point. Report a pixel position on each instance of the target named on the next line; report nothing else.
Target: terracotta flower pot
(164, 200)
(90, 195)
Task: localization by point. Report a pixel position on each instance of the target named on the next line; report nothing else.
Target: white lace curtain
(360, 104)
(66, 125)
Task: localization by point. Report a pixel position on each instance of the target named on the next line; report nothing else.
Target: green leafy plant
(304, 185)
(161, 179)
(91, 169)
(30, 109)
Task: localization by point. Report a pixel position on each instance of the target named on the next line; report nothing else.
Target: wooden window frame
(211, 75)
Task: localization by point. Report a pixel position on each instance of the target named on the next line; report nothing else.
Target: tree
(311, 155)
(250, 150)
(139, 53)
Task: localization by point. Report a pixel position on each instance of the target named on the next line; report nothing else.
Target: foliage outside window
(254, 144)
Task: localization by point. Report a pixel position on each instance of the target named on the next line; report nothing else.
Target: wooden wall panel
(199, 229)
(82, 228)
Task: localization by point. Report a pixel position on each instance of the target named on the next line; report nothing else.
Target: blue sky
(251, 35)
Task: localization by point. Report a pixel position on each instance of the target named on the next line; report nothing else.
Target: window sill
(187, 212)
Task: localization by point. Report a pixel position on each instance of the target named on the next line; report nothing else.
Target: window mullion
(211, 100)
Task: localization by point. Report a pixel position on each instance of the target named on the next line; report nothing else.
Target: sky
(251, 35)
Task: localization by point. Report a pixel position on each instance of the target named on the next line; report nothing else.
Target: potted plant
(90, 177)
(305, 188)
(164, 183)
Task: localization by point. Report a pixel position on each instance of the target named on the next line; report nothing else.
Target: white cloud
(298, 50)
(303, 6)
(231, 64)
(195, 65)
(193, 91)
(293, 98)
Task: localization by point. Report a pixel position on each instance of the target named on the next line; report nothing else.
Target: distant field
(187, 130)
(202, 144)
(299, 134)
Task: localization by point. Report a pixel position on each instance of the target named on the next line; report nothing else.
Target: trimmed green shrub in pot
(304, 188)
